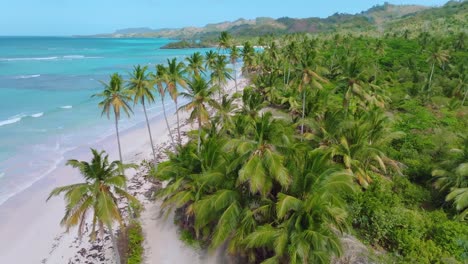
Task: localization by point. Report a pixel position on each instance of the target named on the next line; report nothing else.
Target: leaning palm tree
(160, 79)
(200, 96)
(98, 195)
(440, 57)
(234, 56)
(195, 64)
(175, 76)
(142, 90)
(117, 98)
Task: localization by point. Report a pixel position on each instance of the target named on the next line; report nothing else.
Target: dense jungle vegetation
(335, 134)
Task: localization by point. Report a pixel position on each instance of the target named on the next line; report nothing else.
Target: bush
(130, 243)
(135, 244)
(388, 215)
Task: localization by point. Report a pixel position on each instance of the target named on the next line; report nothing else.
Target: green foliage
(332, 130)
(135, 244)
(388, 214)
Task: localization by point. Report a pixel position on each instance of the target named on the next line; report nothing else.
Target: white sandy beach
(30, 230)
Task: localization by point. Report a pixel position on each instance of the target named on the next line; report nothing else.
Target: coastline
(32, 225)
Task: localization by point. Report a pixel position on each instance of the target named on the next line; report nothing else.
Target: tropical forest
(335, 140)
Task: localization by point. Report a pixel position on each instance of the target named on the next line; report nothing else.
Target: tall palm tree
(210, 59)
(234, 56)
(224, 40)
(309, 78)
(195, 64)
(200, 93)
(115, 98)
(142, 89)
(160, 79)
(175, 77)
(248, 54)
(98, 195)
(440, 57)
(221, 73)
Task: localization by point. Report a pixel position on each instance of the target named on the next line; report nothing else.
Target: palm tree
(142, 90)
(200, 96)
(248, 54)
(175, 76)
(440, 57)
(160, 80)
(224, 40)
(210, 59)
(98, 196)
(460, 41)
(195, 64)
(234, 56)
(263, 164)
(226, 108)
(309, 77)
(452, 178)
(221, 73)
(117, 98)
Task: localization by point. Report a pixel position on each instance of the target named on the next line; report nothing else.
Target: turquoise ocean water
(46, 107)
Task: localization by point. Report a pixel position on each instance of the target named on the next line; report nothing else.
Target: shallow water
(46, 107)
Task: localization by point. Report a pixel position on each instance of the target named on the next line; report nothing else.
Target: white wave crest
(28, 76)
(37, 115)
(67, 107)
(10, 121)
(79, 57)
(74, 57)
(28, 59)
(66, 57)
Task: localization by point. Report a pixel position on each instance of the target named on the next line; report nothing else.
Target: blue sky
(69, 17)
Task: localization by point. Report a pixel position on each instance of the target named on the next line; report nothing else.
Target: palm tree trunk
(114, 245)
(178, 124)
(464, 97)
(235, 76)
(167, 122)
(430, 77)
(221, 89)
(303, 113)
(284, 74)
(118, 137)
(199, 135)
(149, 129)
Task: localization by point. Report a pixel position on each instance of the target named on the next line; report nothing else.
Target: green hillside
(386, 18)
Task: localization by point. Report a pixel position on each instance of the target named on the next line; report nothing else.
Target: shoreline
(44, 239)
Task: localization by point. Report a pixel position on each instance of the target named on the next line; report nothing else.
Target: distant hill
(378, 19)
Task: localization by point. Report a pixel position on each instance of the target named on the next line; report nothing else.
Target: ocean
(46, 109)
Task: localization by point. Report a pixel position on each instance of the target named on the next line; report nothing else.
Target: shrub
(135, 244)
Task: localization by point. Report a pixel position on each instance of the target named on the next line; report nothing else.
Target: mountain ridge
(375, 19)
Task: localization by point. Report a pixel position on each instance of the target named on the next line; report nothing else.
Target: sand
(30, 230)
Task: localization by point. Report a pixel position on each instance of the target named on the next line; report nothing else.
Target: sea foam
(10, 121)
(66, 57)
(29, 59)
(67, 107)
(37, 115)
(28, 76)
